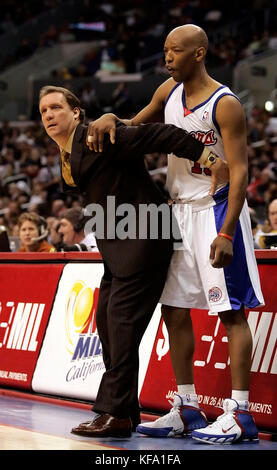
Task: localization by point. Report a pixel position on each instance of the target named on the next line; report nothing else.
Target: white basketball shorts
(192, 282)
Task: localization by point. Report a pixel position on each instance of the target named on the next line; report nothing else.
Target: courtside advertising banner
(70, 363)
(212, 363)
(26, 298)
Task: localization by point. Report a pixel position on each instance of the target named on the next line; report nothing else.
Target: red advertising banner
(28, 291)
(212, 363)
(26, 296)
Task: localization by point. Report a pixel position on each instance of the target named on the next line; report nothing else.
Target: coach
(134, 268)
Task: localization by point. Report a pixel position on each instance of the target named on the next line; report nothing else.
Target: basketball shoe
(184, 416)
(235, 425)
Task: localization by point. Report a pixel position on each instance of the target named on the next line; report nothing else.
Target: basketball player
(216, 270)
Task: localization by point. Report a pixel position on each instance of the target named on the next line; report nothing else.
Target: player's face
(180, 57)
(58, 118)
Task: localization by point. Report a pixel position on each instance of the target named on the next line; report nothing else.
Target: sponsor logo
(215, 294)
(19, 325)
(80, 309)
(82, 340)
(263, 326)
(80, 321)
(217, 402)
(228, 429)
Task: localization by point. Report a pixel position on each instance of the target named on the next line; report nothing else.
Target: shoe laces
(223, 420)
(176, 402)
(170, 416)
(229, 409)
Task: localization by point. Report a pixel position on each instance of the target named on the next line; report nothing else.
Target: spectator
(55, 237)
(272, 214)
(65, 34)
(58, 207)
(39, 195)
(50, 37)
(33, 233)
(121, 101)
(254, 198)
(90, 102)
(72, 229)
(49, 176)
(267, 236)
(254, 227)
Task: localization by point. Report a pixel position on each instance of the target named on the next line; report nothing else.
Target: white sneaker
(234, 425)
(184, 416)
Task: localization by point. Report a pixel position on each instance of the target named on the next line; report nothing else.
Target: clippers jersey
(192, 282)
(186, 179)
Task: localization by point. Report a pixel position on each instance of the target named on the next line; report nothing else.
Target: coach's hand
(221, 253)
(220, 174)
(97, 129)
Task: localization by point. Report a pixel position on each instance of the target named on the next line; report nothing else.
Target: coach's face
(58, 118)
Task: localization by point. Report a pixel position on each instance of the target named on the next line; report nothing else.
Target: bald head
(191, 33)
(185, 50)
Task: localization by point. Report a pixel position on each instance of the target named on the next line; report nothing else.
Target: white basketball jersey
(186, 179)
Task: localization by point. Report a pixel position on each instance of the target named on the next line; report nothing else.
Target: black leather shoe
(105, 426)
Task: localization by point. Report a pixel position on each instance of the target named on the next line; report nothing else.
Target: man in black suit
(135, 268)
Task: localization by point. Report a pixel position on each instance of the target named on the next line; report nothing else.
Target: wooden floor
(28, 424)
(22, 439)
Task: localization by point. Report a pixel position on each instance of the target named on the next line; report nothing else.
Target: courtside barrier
(49, 342)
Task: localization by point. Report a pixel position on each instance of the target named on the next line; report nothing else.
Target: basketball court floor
(31, 422)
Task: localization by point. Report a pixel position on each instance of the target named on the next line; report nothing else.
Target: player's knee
(233, 318)
(175, 318)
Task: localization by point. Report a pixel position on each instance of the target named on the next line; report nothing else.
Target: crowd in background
(133, 30)
(29, 160)
(15, 13)
(30, 173)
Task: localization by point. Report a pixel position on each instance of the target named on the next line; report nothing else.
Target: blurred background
(111, 55)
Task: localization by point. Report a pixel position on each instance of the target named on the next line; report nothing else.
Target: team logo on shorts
(215, 294)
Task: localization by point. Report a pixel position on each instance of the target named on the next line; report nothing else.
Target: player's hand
(220, 174)
(97, 129)
(221, 252)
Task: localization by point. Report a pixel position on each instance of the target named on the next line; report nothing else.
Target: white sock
(186, 389)
(188, 392)
(242, 397)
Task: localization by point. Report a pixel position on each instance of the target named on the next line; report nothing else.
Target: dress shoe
(105, 425)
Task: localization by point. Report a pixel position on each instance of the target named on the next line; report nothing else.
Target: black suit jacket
(119, 171)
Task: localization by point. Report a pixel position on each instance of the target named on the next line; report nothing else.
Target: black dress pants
(125, 307)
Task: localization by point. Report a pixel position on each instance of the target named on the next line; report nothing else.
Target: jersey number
(197, 169)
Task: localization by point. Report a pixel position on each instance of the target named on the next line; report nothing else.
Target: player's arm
(231, 119)
(106, 124)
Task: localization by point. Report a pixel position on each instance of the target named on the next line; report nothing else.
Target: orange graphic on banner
(80, 312)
